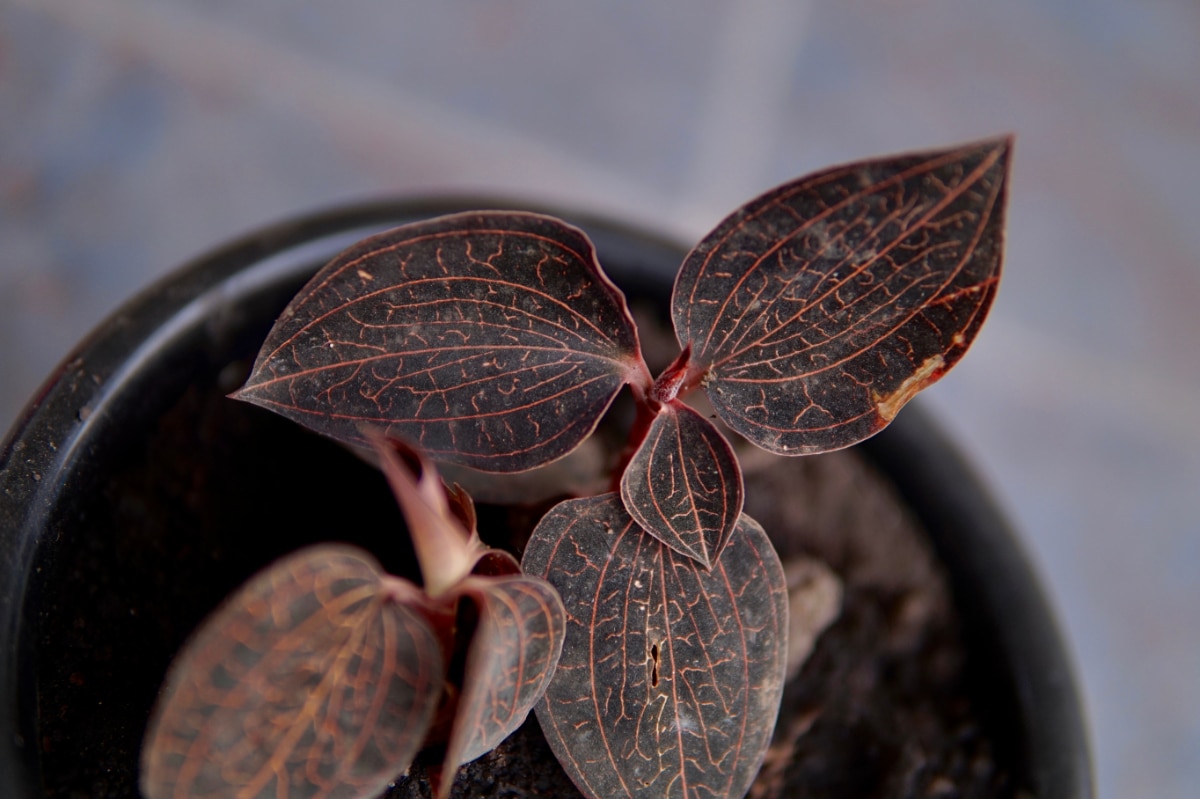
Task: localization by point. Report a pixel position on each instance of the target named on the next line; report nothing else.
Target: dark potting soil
(213, 490)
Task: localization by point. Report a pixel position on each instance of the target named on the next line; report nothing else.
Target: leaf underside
(671, 675)
(309, 681)
(512, 656)
(683, 484)
(823, 306)
(489, 339)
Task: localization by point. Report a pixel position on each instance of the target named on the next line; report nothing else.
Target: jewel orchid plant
(493, 340)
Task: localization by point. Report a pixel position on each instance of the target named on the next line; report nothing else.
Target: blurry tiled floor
(134, 135)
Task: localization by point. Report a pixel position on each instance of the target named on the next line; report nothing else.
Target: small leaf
(313, 679)
(489, 339)
(820, 308)
(671, 676)
(446, 551)
(511, 658)
(683, 485)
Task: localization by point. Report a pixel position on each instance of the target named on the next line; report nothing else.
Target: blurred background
(135, 135)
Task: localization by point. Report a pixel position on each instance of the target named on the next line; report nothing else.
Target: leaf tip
(1001, 145)
(999, 148)
(250, 393)
(1004, 142)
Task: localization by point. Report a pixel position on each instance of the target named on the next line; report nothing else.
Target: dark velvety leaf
(823, 306)
(314, 679)
(511, 658)
(683, 485)
(671, 676)
(490, 339)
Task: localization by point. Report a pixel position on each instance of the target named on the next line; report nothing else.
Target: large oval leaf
(489, 339)
(671, 676)
(311, 681)
(516, 645)
(683, 484)
(823, 306)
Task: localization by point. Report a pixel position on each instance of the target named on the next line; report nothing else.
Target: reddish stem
(678, 378)
(672, 380)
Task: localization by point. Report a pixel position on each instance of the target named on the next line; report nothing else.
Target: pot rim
(1007, 617)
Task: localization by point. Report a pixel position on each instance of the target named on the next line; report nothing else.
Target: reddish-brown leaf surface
(490, 339)
(311, 681)
(683, 484)
(671, 675)
(820, 308)
(512, 656)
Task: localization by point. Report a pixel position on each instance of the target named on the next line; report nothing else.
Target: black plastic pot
(133, 496)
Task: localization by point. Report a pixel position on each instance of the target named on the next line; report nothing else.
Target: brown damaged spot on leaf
(927, 374)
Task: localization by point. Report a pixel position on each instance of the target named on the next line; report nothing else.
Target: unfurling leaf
(446, 551)
(314, 679)
(510, 660)
(823, 306)
(683, 485)
(489, 339)
(671, 675)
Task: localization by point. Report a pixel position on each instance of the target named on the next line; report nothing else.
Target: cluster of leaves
(323, 676)
(493, 340)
